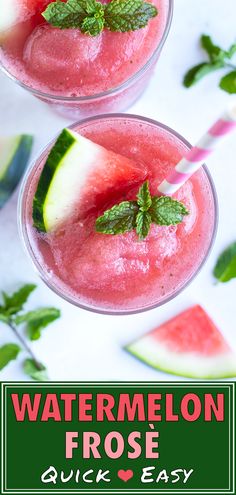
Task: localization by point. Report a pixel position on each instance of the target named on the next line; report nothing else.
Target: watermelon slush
(119, 273)
(81, 75)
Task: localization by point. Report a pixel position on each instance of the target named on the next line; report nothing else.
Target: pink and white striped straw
(195, 157)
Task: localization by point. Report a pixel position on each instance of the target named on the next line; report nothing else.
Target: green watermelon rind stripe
(62, 146)
(129, 348)
(17, 164)
(15, 141)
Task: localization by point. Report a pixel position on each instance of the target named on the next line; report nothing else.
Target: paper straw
(195, 157)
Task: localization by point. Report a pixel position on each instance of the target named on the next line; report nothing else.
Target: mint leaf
(216, 54)
(91, 16)
(119, 219)
(199, 71)
(14, 303)
(228, 82)
(8, 352)
(128, 15)
(144, 198)
(70, 14)
(143, 224)
(167, 211)
(225, 268)
(37, 320)
(31, 369)
(92, 25)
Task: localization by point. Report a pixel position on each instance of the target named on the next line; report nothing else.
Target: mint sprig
(91, 16)
(218, 58)
(12, 315)
(140, 214)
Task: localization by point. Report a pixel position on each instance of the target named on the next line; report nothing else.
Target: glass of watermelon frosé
(78, 74)
(109, 158)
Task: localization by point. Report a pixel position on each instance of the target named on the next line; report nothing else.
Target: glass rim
(102, 94)
(30, 251)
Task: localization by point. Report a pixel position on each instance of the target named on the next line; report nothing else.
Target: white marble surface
(86, 346)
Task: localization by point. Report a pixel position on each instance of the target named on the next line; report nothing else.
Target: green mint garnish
(87, 15)
(15, 302)
(140, 214)
(216, 54)
(37, 320)
(119, 219)
(128, 15)
(218, 58)
(8, 352)
(38, 373)
(198, 72)
(92, 25)
(12, 315)
(167, 211)
(225, 268)
(144, 198)
(228, 82)
(91, 16)
(143, 224)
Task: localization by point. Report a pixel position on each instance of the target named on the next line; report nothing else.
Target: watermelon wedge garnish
(18, 18)
(78, 177)
(188, 345)
(13, 11)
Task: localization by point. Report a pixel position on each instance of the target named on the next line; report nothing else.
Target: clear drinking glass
(112, 100)
(201, 240)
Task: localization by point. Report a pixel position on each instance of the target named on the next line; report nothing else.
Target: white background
(87, 346)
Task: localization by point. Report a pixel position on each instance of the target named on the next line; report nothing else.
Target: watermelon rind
(9, 14)
(14, 155)
(63, 176)
(189, 365)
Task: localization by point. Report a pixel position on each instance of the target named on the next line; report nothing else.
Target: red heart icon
(125, 475)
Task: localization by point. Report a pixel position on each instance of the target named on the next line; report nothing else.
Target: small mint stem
(25, 345)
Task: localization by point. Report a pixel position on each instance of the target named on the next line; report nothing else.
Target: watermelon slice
(79, 177)
(14, 11)
(18, 18)
(188, 345)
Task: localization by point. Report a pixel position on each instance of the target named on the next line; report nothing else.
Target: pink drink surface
(121, 273)
(69, 63)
